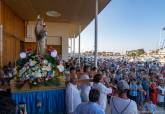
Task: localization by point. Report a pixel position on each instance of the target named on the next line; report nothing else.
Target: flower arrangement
(37, 70)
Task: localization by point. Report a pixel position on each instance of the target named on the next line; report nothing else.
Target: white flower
(49, 68)
(38, 74)
(54, 53)
(44, 68)
(53, 74)
(27, 76)
(32, 63)
(45, 62)
(60, 68)
(35, 83)
(22, 55)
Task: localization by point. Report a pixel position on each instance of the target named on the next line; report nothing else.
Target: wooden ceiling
(79, 12)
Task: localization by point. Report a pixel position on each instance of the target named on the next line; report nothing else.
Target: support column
(65, 46)
(74, 47)
(79, 44)
(160, 40)
(1, 46)
(71, 54)
(163, 44)
(96, 35)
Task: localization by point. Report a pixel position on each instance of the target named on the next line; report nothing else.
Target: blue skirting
(53, 101)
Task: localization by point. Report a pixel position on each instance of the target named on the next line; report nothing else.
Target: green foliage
(52, 82)
(51, 60)
(21, 62)
(134, 53)
(140, 52)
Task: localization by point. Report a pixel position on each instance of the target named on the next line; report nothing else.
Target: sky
(127, 25)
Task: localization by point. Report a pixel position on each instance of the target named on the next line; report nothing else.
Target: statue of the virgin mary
(41, 34)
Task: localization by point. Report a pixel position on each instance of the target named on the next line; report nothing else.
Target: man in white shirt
(104, 91)
(72, 74)
(161, 93)
(91, 107)
(73, 98)
(85, 87)
(122, 104)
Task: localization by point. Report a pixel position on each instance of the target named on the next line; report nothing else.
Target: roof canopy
(77, 12)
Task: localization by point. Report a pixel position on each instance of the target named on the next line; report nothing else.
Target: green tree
(140, 52)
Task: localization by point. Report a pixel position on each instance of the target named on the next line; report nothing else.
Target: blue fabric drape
(53, 101)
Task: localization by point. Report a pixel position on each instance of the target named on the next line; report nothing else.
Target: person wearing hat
(121, 104)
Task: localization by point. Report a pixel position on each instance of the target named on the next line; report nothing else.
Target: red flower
(29, 50)
(50, 49)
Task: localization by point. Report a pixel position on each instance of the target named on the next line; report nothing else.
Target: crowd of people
(116, 86)
(120, 85)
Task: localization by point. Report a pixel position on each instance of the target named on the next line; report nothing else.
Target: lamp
(53, 14)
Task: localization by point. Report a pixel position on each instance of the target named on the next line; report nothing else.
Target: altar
(42, 101)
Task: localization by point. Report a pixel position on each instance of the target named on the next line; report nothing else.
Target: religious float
(39, 86)
(38, 69)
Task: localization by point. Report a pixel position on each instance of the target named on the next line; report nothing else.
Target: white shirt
(73, 98)
(104, 91)
(160, 97)
(85, 88)
(124, 106)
